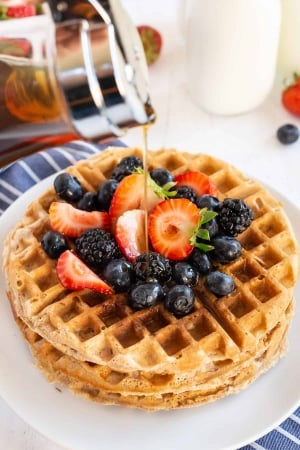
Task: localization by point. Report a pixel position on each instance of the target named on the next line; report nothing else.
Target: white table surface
(248, 141)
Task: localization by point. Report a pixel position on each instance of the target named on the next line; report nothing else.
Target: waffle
(181, 359)
(99, 384)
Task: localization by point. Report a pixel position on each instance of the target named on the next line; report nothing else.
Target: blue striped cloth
(20, 176)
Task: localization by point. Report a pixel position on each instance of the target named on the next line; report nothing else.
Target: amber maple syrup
(145, 129)
(29, 100)
(145, 133)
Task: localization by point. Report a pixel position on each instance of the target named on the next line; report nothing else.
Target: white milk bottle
(289, 47)
(231, 52)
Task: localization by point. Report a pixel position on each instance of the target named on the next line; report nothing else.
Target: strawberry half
(127, 196)
(75, 275)
(152, 42)
(72, 222)
(130, 233)
(172, 225)
(199, 181)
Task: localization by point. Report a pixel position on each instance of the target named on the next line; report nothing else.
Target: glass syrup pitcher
(76, 70)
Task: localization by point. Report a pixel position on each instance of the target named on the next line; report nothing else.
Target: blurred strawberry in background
(152, 42)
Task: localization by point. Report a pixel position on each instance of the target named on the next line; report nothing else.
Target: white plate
(78, 424)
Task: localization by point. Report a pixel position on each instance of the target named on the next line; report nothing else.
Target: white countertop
(248, 141)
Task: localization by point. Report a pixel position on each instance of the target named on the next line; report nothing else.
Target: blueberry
(200, 261)
(213, 227)
(161, 176)
(219, 283)
(143, 295)
(88, 202)
(105, 193)
(68, 187)
(54, 243)
(184, 273)
(226, 249)
(180, 300)
(288, 134)
(207, 201)
(118, 273)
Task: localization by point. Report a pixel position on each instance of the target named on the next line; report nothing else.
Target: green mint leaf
(206, 215)
(203, 234)
(204, 247)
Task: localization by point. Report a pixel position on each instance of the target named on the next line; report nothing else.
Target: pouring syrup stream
(145, 129)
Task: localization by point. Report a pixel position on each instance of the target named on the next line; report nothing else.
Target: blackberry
(153, 266)
(126, 166)
(96, 247)
(185, 192)
(234, 216)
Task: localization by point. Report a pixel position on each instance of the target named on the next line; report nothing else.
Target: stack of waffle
(102, 349)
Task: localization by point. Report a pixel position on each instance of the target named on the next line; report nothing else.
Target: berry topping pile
(100, 243)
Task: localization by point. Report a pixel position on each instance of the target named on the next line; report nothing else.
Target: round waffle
(137, 390)
(105, 331)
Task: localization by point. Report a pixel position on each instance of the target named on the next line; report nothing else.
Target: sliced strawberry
(19, 11)
(172, 225)
(199, 181)
(72, 222)
(128, 195)
(152, 42)
(130, 233)
(75, 275)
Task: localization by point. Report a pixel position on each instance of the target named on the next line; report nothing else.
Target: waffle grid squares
(107, 330)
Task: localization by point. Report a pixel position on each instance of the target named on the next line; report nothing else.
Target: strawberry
(127, 196)
(199, 181)
(75, 275)
(291, 97)
(72, 222)
(152, 42)
(130, 195)
(19, 11)
(172, 226)
(130, 233)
